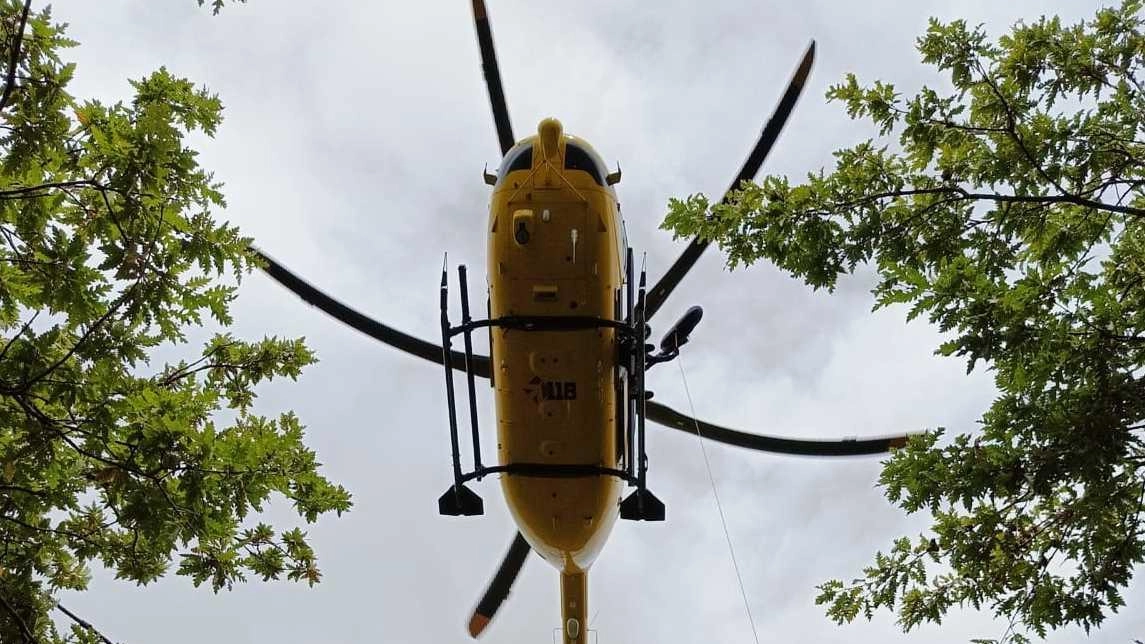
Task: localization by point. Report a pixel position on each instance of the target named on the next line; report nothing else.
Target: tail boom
(574, 606)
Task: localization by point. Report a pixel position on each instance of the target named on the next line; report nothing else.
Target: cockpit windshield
(517, 159)
(577, 158)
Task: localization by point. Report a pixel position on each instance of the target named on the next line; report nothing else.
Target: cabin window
(576, 158)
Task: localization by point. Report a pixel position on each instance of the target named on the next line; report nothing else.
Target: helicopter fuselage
(556, 248)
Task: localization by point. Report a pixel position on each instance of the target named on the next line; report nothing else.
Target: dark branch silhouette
(14, 58)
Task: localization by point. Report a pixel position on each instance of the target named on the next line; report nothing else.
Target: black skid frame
(459, 500)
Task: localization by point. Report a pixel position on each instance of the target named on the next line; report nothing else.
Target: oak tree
(109, 255)
(1008, 208)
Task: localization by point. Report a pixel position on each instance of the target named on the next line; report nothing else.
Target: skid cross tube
(545, 323)
(549, 470)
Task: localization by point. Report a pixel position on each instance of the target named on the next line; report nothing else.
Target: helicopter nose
(549, 132)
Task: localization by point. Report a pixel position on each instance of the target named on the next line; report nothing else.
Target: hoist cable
(719, 506)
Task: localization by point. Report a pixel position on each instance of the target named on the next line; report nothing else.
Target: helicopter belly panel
(554, 390)
(558, 413)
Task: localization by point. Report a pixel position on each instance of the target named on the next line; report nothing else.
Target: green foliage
(1010, 211)
(108, 252)
(216, 5)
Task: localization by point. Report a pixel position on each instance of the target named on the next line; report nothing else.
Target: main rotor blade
(499, 588)
(669, 417)
(663, 288)
(493, 77)
(365, 324)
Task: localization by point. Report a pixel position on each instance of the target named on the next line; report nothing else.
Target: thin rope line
(719, 506)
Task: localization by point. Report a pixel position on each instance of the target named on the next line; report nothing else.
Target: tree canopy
(109, 255)
(1008, 208)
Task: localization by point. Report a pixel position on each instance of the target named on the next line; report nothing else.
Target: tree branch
(83, 623)
(22, 331)
(1012, 128)
(983, 196)
(21, 488)
(14, 59)
(29, 637)
(119, 301)
(973, 129)
(24, 191)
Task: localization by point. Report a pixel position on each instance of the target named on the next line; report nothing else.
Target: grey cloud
(352, 150)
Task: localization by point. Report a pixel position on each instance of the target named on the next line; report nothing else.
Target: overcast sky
(352, 150)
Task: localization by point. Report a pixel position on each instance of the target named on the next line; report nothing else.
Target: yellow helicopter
(567, 327)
